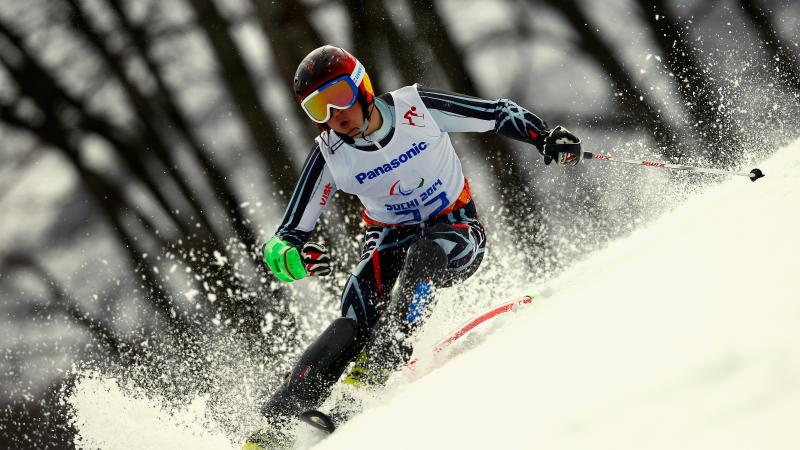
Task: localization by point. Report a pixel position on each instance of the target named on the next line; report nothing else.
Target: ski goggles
(339, 93)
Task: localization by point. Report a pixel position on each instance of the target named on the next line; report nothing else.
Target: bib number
(416, 216)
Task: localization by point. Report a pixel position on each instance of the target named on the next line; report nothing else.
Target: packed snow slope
(683, 335)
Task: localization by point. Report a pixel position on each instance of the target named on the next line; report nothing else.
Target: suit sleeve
(314, 190)
(463, 113)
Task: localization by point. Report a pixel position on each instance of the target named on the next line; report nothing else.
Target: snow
(103, 405)
(681, 335)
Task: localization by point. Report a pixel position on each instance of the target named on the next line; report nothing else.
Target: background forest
(149, 148)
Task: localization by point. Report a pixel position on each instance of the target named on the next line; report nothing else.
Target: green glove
(283, 260)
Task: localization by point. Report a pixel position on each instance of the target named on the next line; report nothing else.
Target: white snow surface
(682, 335)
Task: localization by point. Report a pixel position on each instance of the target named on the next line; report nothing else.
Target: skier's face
(346, 121)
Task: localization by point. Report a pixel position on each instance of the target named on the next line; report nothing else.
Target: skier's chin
(352, 131)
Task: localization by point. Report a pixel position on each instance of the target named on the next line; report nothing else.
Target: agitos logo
(397, 189)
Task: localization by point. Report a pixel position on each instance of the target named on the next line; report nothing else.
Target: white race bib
(411, 179)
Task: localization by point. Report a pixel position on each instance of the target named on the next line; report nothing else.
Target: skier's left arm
(463, 113)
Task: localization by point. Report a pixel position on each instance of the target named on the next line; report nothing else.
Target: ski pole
(753, 174)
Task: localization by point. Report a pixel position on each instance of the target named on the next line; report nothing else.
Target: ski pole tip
(756, 174)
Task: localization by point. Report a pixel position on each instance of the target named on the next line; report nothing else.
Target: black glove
(562, 146)
(316, 259)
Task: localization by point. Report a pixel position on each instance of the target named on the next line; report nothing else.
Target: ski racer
(394, 152)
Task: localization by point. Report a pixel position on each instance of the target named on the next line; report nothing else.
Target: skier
(422, 230)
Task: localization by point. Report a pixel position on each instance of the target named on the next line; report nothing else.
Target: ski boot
(268, 439)
(362, 375)
(361, 378)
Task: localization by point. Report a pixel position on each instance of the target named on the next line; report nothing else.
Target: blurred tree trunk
(220, 185)
(244, 93)
(183, 329)
(148, 116)
(62, 301)
(65, 116)
(636, 102)
(431, 29)
(35, 82)
(52, 132)
(517, 197)
(369, 38)
(377, 26)
(291, 37)
(782, 56)
(219, 180)
(242, 309)
(700, 93)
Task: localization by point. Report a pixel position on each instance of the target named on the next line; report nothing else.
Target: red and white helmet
(330, 77)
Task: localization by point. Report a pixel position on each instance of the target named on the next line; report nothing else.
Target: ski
(325, 423)
(477, 320)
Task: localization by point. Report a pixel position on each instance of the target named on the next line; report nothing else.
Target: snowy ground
(682, 335)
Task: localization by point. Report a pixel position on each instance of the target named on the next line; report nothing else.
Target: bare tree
(148, 116)
(62, 302)
(369, 19)
(66, 122)
(377, 33)
(636, 102)
(47, 93)
(165, 100)
(786, 62)
(54, 134)
(290, 33)
(694, 82)
(244, 92)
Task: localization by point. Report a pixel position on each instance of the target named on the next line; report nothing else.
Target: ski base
(318, 420)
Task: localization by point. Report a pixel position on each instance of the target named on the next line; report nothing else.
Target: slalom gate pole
(753, 174)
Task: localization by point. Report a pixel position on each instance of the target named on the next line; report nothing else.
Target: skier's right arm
(286, 254)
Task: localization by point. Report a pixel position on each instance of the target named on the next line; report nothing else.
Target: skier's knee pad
(317, 370)
(425, 258)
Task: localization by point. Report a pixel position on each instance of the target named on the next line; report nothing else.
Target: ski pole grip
(588, 155)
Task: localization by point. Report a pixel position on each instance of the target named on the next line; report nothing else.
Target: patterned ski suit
(410, 181)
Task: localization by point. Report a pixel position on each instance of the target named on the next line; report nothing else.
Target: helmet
(325, 64)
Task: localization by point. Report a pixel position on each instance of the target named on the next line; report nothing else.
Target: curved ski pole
(753, 174)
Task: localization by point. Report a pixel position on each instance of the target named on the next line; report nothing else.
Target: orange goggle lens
(340, 93)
